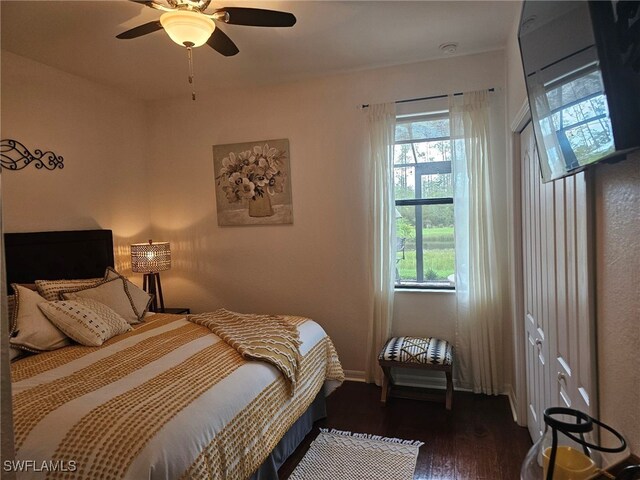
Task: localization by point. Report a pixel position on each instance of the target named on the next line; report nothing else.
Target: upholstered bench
(426, 353)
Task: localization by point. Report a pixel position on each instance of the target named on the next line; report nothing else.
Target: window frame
(421, 169)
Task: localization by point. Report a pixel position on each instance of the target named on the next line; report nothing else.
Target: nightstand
(177, 311)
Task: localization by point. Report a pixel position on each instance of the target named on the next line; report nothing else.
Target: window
(424, 202)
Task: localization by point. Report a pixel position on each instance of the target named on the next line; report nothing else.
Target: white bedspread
(168, 400)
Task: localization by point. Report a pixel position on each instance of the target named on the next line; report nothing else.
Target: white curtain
(381, 124)
(479, 281)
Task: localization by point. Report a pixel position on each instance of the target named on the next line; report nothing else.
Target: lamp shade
(151, 257)
(186, 27)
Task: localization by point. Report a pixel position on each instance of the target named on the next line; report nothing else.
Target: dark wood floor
(477, 440)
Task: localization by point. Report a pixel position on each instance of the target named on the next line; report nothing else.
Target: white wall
(102, 136)
(617, 190)
(120, 153)
(317, 266)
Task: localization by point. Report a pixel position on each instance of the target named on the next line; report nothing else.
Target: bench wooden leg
(449, 394)
(385, 384)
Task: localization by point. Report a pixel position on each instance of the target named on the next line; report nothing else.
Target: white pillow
(113, 293)
(51, 289)
(15, 353)
(140, 300)
(84, 320)
(30, 329)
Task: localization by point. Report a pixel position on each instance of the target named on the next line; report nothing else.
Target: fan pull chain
(190, 56)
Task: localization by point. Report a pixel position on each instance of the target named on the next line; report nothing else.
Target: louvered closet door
(557, 291)
(537, 345)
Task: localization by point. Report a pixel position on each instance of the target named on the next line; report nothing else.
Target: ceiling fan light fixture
(187, 28)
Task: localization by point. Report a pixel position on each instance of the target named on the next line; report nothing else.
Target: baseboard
(426, 379)
(354, 375)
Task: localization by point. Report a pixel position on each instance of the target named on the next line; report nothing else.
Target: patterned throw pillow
(30, 329)
(113, 293)
(86, 321)
(51, 289)
(140, 300)
(428, 350)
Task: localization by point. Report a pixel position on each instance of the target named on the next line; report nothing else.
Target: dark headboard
(57, 255)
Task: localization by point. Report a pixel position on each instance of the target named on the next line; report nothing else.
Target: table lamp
(151, 259)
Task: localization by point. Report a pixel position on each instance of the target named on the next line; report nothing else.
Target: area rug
(338, 455)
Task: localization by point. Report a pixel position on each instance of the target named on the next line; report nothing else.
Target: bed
(167, 400)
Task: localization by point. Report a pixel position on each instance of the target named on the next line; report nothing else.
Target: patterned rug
(336, 455)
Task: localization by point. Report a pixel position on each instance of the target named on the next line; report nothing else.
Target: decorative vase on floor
(260, 206)
(568, 450)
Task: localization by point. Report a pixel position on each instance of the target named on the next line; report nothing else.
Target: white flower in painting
(247, 189)
(276, 184)
(272, 172)
(260, 180)
(230, 165)
(235, 178)
(231, 193)
(246, 158)
(230, 160)
(270, 152)
(263, 163)
(250, 170)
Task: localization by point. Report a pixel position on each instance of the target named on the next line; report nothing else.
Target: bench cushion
(427, 350)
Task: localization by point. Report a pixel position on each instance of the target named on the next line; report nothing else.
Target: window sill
(424, 290)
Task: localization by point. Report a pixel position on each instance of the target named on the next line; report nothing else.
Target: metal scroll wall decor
(15, 156)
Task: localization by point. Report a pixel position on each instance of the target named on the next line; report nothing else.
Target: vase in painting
(260, 206)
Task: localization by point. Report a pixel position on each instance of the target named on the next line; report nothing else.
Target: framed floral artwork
(253, 183)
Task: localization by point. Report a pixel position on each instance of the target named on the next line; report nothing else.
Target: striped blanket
(270, 338)
(167, 400)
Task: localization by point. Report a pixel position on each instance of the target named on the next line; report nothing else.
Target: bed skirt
(292, 439)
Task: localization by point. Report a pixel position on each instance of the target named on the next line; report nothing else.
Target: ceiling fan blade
(257, 17)
(141, 30)
(222, 44)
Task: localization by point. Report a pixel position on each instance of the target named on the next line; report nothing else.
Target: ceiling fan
(187, 23)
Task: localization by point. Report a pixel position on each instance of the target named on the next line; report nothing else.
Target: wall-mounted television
(581, 63)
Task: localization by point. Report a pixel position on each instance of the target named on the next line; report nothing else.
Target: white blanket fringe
(344, 433)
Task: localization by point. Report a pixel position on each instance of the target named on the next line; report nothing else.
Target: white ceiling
(329, 37)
